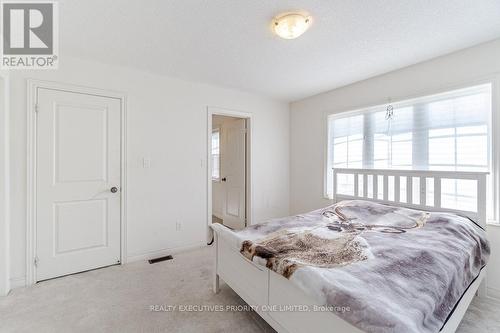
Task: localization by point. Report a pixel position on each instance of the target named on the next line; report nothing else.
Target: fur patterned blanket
(395, 269)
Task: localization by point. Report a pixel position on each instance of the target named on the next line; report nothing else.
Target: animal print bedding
(394, 269)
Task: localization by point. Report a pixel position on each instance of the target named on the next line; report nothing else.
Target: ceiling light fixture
(291, 25)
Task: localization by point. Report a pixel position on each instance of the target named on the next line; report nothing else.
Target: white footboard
(270, 293)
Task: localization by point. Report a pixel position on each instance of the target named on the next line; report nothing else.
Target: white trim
(495, 144)
(19, 282)
(124, 182)
(211, 111)
(493, 79)
(164, 252)
(32, 97)
(325, 154)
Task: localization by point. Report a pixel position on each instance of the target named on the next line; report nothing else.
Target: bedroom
(157, 70)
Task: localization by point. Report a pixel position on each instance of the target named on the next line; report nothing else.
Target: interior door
(78, 182)
(233, 173)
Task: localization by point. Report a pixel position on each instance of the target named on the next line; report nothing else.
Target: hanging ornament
(389, 116)
(389, 112)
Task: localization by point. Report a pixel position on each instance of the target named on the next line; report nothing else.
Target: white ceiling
(230, 43)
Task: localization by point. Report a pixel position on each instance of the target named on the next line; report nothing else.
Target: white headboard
(402, 182)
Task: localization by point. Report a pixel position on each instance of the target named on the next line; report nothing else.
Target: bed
(389, 255)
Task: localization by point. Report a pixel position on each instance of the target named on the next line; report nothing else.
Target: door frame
(212, 111)
(32, 96)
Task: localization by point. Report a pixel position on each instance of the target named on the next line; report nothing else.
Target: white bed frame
(267, 290)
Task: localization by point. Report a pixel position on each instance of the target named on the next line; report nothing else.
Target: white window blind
(216, 155)
(449, 131)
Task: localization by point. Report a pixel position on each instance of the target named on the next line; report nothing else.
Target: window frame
(216, 130)
(402, 101)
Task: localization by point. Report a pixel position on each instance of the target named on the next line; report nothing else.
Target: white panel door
(78, 182)
(233, 173)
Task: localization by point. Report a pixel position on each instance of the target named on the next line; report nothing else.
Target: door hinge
(35, 261)
(36, 107)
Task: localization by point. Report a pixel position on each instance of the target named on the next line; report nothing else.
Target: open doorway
(228, 155)
(229, 172)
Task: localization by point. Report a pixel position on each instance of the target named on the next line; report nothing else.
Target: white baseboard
(494, 293)
(164, 252)
(17, 282)
(4, 291)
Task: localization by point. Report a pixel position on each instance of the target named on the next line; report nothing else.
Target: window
(216, 154)
(449, 131)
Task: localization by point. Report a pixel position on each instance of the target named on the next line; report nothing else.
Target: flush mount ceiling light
(291, 25)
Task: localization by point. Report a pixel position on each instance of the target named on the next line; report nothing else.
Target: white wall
(167, 122)
(308, 117)
(4, 187)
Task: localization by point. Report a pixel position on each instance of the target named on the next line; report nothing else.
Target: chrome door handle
(114, 189)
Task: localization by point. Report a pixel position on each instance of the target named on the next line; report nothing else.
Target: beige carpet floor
(119, 299)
